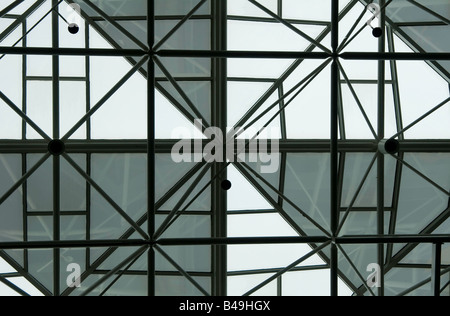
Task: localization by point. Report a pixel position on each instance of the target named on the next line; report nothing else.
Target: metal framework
(143, 250)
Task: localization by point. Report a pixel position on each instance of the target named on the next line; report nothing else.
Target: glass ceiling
(355, 174)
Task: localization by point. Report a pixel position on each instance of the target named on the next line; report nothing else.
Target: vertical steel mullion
(436, 269)
(381, 135)
(219, 119)
(88, 137)
(56, 159)
(151, 181)
(334, 127)
(24, 136)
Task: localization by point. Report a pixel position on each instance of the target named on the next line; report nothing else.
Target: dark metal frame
(150, 241)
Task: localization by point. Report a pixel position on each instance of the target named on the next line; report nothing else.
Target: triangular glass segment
(417, 98)
(357, 257)
(11, 225)
(191, 98)
(119, 110)
(171, 123)
(195, 184)
(193, 34)
(420, 202)
(356, 166)
(307, 186)
(168, 173)
(252, 200)
(308, 114)
(361, 39)
(126, 191)
(238, 285)
(103, 16)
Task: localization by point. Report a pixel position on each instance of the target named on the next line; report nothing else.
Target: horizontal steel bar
(369, 239)
(165, 146)
(58, 244)
(242, 54)
(71, 51)
(395, 56)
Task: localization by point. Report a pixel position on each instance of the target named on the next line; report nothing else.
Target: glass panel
(258, 225)
(307, 283)
(201, 203)
(72, 107)
(168, 173)
(187, 226)
(128, 285)
(176, 7)
(307, 185)
(72, 66)
(308, 116)
(185, 67)
(416, 81)
(239, 285)
(40, 266)
(120, 110)
(363, 223)
(356, 165)
(73, 185)
(25, 285)
(199, 94)
(73, 227)
(38, 65)
(123, 178)
(39, 107)
(400, 279)
(259, 36)
(38, 37)
(361, 257)
(11, 223)
(192, 35)
(242, 195)
(307, 10)
(243, 7)
(251, 257)
(40, 228)
(180, 286)
(189, 258)
(39, 185)
(420, 202)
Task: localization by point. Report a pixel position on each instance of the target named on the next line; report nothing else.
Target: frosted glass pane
(40, 107)
(40, 228)
(194, 34)
(73, 227)
(72, 107)
(356, 166)
(420, 202)
(187, 226)
(180, 286)
(11, 223)
(40, 185)
(176, 7)
(39, 65)
(307, 283)
(123, 177)
(185, 67)
(307, 184)
(239, 285)
(189, 258)
(40, 266)
(73, 185)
